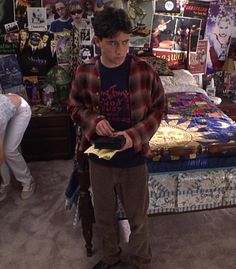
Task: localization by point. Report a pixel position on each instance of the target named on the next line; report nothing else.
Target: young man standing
(116, 93)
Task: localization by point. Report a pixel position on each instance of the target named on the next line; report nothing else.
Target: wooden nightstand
(228, 107)
(48, 137)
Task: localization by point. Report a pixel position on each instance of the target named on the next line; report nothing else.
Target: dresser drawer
(50, 120)
(48, 137)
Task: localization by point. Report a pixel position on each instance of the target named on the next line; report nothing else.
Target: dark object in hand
(107, 142)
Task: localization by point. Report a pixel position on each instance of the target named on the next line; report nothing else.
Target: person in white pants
(15, 114)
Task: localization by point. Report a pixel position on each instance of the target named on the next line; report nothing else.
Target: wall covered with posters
(41, 37)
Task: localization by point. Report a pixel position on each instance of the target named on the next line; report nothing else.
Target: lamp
(228, 68)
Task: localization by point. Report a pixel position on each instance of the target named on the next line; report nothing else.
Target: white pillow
(183, 77)
(167, 81)
(180, 77)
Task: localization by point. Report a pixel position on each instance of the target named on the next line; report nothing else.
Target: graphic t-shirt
(115, 106)
(114, 96)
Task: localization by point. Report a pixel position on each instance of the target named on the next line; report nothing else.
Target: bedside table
(47, 137)
(228, 107)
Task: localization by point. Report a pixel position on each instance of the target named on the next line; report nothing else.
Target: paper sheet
(106, 154)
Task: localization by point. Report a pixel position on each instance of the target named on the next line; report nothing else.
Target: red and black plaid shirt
(147, 102)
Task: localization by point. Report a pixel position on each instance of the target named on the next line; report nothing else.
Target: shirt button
(97, 107)
(97, 93)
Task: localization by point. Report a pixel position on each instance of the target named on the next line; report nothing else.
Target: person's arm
(142, 131)
(81, 102)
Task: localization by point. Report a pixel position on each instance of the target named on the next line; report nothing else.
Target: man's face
(23, 36)
(35, 39)
(61, 10)
(45, 38)
(85, 55)
(113, 50)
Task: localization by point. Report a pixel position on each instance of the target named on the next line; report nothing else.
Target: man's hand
(103, 128)
(128, 141)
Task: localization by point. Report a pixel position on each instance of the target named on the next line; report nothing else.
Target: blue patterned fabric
(192, 121)
(190, 190)
(196, 182)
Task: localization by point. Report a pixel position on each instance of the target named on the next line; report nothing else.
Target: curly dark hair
(110, 21)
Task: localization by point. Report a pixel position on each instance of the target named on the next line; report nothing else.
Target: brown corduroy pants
(131, 185)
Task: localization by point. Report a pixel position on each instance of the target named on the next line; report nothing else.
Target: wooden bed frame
(188, 150)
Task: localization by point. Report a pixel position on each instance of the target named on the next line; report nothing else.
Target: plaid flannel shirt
(147, 102)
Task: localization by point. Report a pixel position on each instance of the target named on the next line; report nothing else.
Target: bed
(193, 164)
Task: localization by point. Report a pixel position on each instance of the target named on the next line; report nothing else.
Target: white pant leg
(12, 138)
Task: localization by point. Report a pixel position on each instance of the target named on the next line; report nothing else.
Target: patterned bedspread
(198, 181)
(192, 121)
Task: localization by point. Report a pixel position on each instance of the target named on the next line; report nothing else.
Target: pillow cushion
(167, 81)
(181, 81)
(184, 77)
(180, 77)
(159, 65)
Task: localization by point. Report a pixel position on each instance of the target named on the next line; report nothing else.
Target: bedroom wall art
(161, 29)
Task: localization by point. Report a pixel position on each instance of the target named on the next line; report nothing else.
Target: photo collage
(41, 35)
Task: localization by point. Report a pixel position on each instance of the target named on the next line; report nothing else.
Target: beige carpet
(38, 233)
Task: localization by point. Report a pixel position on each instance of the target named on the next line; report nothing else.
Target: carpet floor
(38, 233)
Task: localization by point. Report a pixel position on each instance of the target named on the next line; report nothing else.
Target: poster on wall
(175, 60)
(51, 14)
(9, 43)
(144, 51)
(140, 13)
(220, 29)
(63, 46)
(163, 32)
(197, 60)
(21, 11)
(31, 87)
(172, 32)
(37, 20)
(7, 14)
(11, 27)
(86, 52)
(198, 9)
(11, 79)
(227, 2)
(35, 56)
(167, 6)
(85, 36)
